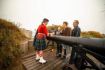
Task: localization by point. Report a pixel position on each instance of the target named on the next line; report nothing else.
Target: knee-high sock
(37, 53)
(41, 53)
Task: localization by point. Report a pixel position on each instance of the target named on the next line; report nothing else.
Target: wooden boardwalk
(53, 63)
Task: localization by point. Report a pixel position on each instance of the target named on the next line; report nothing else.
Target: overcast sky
(29, 13)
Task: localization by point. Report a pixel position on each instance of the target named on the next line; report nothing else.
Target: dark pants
(64, 48)
(59, 49)
(73, 55)
(50, 43)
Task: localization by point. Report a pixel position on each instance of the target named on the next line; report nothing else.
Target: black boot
(59, 50)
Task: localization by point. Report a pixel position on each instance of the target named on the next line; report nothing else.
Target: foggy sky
(29, 13)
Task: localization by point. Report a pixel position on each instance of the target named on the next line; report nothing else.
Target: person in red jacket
(40, 43)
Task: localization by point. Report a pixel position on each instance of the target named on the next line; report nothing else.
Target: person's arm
(62, 32)
(70, 31)
(67, 32)
(45, 30)
(78, 32)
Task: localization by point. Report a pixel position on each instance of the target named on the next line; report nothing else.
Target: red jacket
(43, 29)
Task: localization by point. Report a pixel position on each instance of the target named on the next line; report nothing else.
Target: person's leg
(65, 52)
(48, 43)
(42, 47)
(37, 55)
(42, 60)
(72, 57)
(59, 50)
(64, 49)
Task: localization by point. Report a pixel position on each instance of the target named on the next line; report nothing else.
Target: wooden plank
(30, 63)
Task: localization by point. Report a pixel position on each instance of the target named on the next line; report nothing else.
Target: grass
(10, 38)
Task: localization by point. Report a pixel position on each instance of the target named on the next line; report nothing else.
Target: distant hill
(10, 38)
(92, 34)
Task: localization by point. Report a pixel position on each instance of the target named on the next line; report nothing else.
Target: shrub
(92, 34)
(10, 38)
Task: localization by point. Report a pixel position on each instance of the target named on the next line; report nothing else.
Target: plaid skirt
(40, 44)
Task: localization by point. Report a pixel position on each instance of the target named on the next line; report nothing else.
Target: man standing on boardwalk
(65, 32)
(75, 33)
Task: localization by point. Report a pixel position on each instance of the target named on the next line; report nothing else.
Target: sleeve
(67, 32)
(70, 32)
(45, 30)
(39, 29)
(62, 32)
(78, 32)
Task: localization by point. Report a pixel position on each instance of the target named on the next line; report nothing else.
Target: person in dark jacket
(65, 32)
(75, 33)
